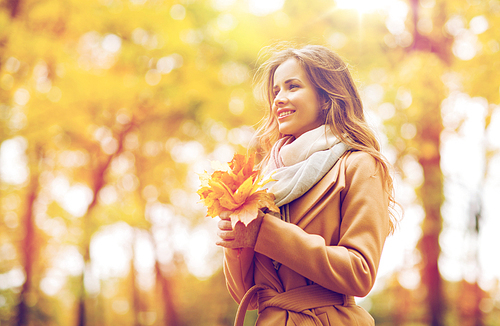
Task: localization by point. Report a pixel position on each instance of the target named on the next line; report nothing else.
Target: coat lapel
(305, 208)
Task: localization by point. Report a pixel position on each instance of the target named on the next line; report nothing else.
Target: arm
(238, 270)
(238, 246)
(351, 266)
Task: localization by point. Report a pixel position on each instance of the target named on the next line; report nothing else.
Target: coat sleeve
(351, 266)
(238, 270)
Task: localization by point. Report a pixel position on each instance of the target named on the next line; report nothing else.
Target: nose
(280, 100)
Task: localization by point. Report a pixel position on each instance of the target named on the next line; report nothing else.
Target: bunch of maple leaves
(235, 187)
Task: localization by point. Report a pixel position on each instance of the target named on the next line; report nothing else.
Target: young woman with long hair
(334, 191)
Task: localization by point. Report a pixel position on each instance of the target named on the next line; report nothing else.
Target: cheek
(315, 107)
(273, 110)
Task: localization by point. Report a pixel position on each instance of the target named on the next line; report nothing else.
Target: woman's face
(296, 102)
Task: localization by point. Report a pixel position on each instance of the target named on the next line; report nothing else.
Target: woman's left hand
(241, 236)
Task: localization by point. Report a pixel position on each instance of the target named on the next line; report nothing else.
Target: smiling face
(296, 103)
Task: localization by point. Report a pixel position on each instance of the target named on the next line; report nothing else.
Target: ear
(324, 110)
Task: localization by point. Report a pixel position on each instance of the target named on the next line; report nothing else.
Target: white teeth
(285, 113)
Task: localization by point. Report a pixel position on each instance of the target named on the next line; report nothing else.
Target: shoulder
(361, 165)
(360, 159)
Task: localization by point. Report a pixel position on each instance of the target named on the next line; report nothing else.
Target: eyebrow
(288, 81)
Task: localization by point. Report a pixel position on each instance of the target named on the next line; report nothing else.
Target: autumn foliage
(113, 105)
(235, 187)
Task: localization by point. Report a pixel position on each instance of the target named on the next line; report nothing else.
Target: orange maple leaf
(237, 190)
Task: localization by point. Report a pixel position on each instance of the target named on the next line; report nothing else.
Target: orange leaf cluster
(236, 188)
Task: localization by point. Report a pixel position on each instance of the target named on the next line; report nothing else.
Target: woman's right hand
(241, 236)
(225, 228)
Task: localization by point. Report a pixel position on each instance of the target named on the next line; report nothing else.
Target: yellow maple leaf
(248, 212)
(235, 187)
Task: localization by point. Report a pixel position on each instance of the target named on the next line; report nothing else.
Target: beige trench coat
(334, 241)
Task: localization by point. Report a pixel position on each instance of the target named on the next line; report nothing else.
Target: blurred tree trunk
(28, 246)
(98, 183)
(164, 283)
(429, 158)
(171, 317)
(431, 194)
(432, 190)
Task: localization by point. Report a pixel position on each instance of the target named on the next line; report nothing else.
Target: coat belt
(297, 302)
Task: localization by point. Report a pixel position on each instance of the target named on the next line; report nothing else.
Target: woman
(334, 192)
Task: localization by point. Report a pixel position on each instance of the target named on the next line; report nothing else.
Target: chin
(285, 131)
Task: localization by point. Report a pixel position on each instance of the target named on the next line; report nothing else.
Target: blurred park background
(110, 108)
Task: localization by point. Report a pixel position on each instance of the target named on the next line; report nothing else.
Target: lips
(283, 113)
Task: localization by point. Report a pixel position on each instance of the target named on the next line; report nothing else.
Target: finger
(224, 244)
(226, 235)
(225, 215)
(225, 225)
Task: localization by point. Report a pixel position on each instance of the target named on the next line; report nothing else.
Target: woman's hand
(241, 236)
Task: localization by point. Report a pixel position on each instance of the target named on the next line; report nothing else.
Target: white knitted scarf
(297, 165)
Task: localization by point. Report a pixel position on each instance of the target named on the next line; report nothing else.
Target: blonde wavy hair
(342, 109)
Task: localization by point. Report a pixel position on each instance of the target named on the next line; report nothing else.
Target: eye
(276, 92)
(292, 86)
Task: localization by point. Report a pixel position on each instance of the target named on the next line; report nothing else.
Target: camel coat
(332, 245)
